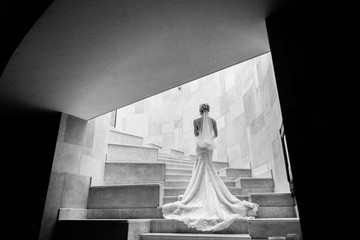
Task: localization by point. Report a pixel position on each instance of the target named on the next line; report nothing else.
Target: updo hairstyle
(204, 107)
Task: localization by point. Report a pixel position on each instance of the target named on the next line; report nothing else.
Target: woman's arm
(196, 130)
(215, 128)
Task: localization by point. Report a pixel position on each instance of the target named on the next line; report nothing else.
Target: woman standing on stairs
(207, 203)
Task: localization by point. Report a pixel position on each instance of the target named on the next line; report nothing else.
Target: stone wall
(79, 155)
(244, 102)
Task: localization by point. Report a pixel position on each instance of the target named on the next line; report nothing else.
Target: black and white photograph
(177, 120)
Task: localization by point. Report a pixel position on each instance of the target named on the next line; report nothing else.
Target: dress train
(207, 203)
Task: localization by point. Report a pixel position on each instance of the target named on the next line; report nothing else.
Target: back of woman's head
(204, 107)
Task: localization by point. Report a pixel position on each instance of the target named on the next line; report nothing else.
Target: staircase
(139, 178)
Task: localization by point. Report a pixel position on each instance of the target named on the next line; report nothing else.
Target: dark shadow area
(28, 140)
(28, 136)
(311, 48)
(16, 19)
(92, 230)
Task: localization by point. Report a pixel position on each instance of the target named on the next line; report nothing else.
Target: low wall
(79, 155)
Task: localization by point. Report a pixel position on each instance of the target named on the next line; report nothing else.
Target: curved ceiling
(89, 57)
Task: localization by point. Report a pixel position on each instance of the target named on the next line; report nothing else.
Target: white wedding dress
(207, 203)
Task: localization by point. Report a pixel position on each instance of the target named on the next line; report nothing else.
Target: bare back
(198, 126)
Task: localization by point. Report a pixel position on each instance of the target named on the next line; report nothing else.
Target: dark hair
(204, 107)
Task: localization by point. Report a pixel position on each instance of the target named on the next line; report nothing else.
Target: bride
(207, 203)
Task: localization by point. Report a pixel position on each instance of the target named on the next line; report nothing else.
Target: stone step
(72, 214)
(178, 165)
(178, 171)
(177, 152)
(196, 236)
(170, 177)
(263, 228)
(176, 191)
(235, 172)
(130, 153)
(130, 213)
(119, 137)
(276, 212)
(166, 152)
(173, 226)
(124, 213)
(266, 174)
(272, 199)
(172, 152)
(247, 191)
(134, 172)
(153, 145)
(126, 196)
(220, 165)
(183, 159)
(117, 183)
(170, 199)
(279, 207)
(254, 182)
(185, 183)
(168, 160)
(189, 158)
(156, 213)
(217, 165)
(192, 158)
